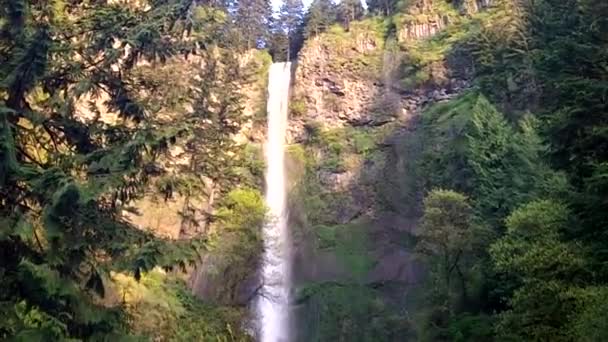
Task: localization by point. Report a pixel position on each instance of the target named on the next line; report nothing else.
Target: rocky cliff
(355, 197)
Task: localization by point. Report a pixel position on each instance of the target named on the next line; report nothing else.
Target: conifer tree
(252, 18)
(278, 44)
(382, 7)
(84, 126)
(292, 17)
(350, 10)
(320, 15)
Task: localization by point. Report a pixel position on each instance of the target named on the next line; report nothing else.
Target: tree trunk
(463, 284)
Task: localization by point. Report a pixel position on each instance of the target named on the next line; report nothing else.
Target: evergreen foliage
(92, 106)
(291, 17)
(349, 11)
(320, 16)
(382, 7)
(537, 270)
(252, 18)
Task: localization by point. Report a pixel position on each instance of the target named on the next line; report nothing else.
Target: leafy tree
(278, 42)
(235, 243)
(489, 144)
(212, 163)
(446, 238)
(534, 253)
(544, 57)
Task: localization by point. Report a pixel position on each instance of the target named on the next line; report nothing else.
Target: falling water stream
(272, 304)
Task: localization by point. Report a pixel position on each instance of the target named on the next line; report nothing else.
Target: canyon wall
(355, 195)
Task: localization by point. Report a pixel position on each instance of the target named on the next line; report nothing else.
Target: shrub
(297, 108)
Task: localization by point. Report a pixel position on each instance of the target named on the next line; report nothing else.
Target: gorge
(416, 170)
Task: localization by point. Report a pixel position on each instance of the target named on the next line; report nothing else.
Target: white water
(272, 305)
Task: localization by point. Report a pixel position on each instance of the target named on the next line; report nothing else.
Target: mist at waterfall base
(272, 305)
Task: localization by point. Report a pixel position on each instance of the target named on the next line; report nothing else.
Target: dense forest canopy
(99, 106)
(103, 103)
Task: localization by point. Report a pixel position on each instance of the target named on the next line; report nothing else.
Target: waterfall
(273, 301)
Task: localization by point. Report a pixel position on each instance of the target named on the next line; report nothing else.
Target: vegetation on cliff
(533, 268)
(512, 168)
(482, 150)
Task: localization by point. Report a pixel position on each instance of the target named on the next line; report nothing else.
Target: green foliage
(534, 253)
(251, 173)
(590, 324)
(482, 154)
(236, 241)
(352, 249)
(96, 100)
(252, 19)
(478, 152)
(291, 16)
(349, 243)
(490, 159)
(349, 11)
(429, 61)
(363, 141)
(257, 68)
(444, 162)
(338, 144)
(382, 7)
(447, 238)
(320, 16)
(297, 108)
(539, 263)
(468, 327)
(358, 50)
(349, 312)
(158, 303)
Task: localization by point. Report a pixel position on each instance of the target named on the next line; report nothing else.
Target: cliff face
(348, 115)
(339, 77)
(355, 197)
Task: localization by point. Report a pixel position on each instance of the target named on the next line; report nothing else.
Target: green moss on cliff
(235, 242)
(357, 51)
(446, 125)
(257, 68)
(341, 149)
(432, 60)
(349, 243)
(410, 13)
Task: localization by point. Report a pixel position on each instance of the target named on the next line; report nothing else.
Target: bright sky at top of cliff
(276, 4)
